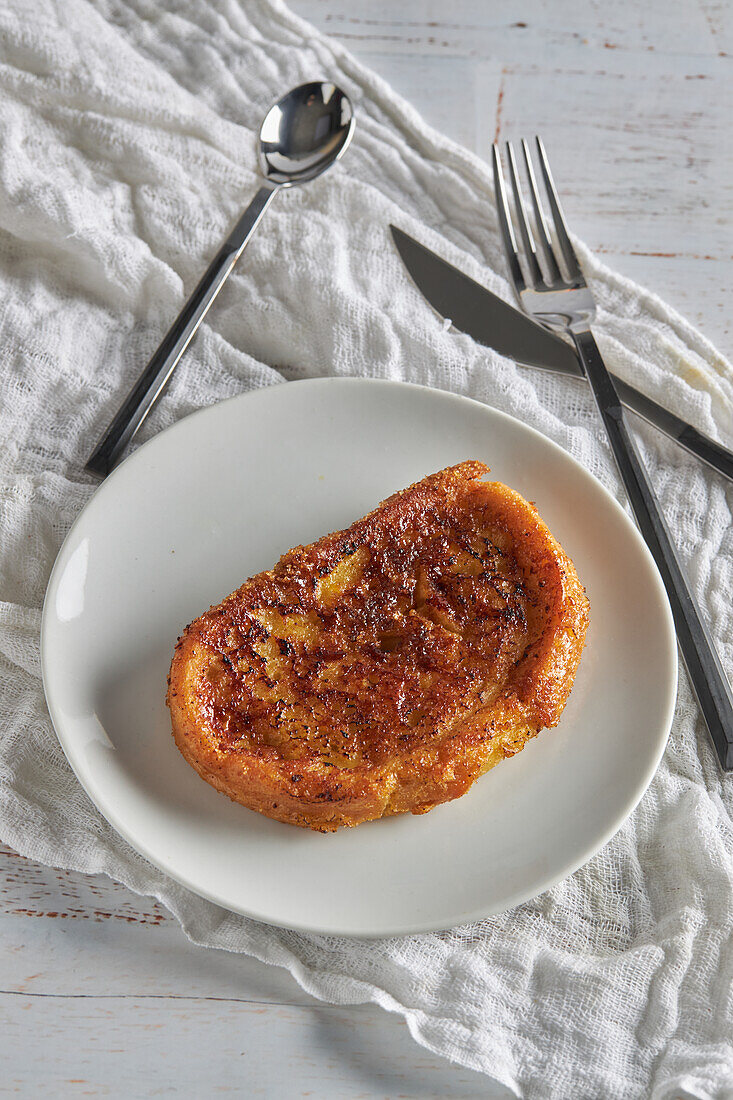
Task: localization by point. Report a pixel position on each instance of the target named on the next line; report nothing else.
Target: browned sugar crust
(386, 667)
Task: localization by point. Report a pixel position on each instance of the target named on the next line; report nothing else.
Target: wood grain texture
(122, 1005)
(633, 101)
(193, 1048)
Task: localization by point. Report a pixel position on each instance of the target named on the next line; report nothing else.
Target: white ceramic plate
(219, 497)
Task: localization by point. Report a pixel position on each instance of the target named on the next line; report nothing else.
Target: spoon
(301, 136)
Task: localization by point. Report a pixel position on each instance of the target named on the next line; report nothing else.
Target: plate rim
(633, 799)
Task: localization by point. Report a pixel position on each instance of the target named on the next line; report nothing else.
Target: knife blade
(489, 320)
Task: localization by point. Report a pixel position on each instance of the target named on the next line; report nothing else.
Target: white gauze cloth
(127, 149)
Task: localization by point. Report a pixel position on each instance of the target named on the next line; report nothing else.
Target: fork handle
(709, 681)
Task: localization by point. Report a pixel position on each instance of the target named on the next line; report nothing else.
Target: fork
(560, 299)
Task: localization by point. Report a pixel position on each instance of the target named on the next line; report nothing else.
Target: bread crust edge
(325, 798)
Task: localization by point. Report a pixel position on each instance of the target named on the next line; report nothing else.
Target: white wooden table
(100, 993)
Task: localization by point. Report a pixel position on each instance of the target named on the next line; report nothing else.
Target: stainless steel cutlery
(489, 320)
(301, 136)
(550, 285)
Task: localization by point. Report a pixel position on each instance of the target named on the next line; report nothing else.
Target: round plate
(220, 496)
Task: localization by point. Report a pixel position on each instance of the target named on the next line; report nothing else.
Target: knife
(473, 309)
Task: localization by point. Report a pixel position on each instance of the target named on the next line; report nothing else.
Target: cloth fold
(128, 148)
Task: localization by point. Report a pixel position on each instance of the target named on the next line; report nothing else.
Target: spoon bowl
(304, 133)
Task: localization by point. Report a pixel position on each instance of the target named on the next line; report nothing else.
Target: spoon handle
(146, 391)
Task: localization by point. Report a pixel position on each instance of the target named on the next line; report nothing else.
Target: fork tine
(543, 236)
(558, 217)
(505, 223)
(530, 255)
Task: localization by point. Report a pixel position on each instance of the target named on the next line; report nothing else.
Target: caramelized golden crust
(384, 668)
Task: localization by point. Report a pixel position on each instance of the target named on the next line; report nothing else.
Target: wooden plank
(29, 889)
(99, 958)
(96, 937)
(632, 102)
(90, 1046)
(122, 1004)
(667, 26)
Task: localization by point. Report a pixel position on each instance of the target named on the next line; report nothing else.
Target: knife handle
(714, 454)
